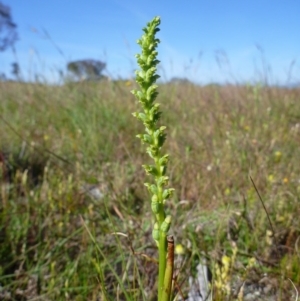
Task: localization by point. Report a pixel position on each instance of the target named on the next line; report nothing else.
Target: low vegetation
(60, 242)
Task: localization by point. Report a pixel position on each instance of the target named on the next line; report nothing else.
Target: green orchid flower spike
(154, 137)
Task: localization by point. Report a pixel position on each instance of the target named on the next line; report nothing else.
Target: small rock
(93, 191)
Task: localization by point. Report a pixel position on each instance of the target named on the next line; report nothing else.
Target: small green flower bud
(150, 169)
(167, 193)
(165, 226)
(151, 187)
(162, 181)
(155, 232)
(146, 138)
(164, 160)
(155, 206)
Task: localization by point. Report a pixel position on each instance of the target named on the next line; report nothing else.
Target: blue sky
(205, 41)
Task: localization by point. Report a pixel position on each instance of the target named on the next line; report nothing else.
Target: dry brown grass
(217, 137)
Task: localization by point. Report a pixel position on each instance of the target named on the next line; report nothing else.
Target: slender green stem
(166, 293)
(162, 264)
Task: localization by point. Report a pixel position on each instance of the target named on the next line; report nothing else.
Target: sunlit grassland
(56, 140)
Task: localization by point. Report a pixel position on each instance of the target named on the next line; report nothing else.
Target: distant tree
(88, 69)
(2, 77)
(15, 70)
(179, 80)
(8, 33)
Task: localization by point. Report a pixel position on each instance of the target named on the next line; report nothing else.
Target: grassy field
(57, 242)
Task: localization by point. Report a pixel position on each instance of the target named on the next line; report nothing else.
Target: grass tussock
(59, 142)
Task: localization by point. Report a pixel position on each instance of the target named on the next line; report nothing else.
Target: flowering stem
(154, 137)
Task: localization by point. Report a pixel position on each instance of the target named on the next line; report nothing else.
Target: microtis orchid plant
(154, 137)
